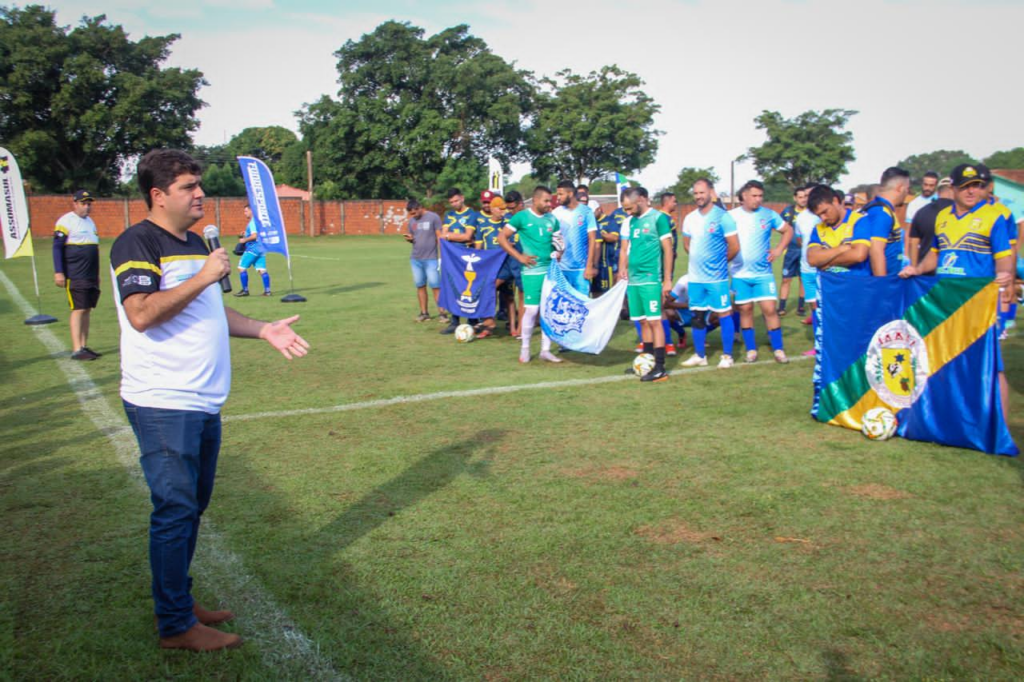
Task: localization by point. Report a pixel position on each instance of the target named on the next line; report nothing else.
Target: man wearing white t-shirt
(805, 224)
(175, 376)
(76, 269)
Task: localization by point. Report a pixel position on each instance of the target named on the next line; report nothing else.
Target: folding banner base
(41, 319)
(293, 298)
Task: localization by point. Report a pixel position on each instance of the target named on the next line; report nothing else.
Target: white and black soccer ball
(878, 423)
(464, 333)
(558, 241)
(643, 364)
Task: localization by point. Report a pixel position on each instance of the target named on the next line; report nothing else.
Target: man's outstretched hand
(281, 336)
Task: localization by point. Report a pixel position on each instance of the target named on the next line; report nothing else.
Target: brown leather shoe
(201, 638)
(211, 617)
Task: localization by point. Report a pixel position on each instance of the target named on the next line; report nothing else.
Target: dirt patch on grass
(675, 532)
(876, 491)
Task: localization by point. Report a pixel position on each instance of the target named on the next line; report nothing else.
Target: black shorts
(83, 294)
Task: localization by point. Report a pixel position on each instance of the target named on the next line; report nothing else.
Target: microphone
(212, 234)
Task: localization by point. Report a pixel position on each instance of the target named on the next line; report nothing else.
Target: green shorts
(644, 300)
(533, 282)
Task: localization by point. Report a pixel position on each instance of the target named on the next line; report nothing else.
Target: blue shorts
(250, 259)
(810, 282)
(578, 282)
(425, 271)
(1020, 267)
(710, 296)
(751, 290)
(791, 264)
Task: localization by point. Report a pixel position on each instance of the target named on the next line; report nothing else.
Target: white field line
(265, 624)
(469, 393)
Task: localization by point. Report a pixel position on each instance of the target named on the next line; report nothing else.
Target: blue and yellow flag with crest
(925, 348)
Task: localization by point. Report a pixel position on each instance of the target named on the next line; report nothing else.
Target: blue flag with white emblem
(575, 321)
(467, 280)
(266, 209)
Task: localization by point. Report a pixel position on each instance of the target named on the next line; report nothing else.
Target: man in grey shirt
(421, 232)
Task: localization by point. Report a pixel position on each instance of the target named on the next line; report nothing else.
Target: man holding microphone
(175, 376)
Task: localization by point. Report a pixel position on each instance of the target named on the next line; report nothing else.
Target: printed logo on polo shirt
(764, 224)
(579, 221)
(141, 280)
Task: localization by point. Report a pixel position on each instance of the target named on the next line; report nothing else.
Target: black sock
(648, 346)
(659, 358)
(782, 304)
(800, 303)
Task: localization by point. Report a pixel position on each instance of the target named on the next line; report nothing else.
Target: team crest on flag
(575, 321)
(564, 314)
(897, 364)
(467, 280)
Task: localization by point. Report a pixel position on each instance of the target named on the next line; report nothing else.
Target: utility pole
(309, 178)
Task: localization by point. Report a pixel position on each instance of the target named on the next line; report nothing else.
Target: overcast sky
(924, 74)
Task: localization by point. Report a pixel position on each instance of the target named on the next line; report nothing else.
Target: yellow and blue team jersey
(575, 224)
(1005, 206)
(612, 224)
(968, 245)
(709, 258)
(829, 237)
(754, 229)
(487, 229)
(882, 225)
(461, 222)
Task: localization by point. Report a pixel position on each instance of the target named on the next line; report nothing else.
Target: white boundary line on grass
(278, 638)
(494, 390)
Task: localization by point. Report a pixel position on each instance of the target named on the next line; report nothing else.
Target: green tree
(941, 162)
(684, 182)
(1009, 159)
(589, 126)
(414, 112)
(76, 105)
(223, 180)
(268, 144)
(813, 147)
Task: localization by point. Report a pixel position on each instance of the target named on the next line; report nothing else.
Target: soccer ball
(464, 333)
(878, 423)
(643, 364)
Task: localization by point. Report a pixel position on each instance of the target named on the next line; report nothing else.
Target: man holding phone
(421, 232)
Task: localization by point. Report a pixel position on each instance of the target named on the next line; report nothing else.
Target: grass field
(703, 528)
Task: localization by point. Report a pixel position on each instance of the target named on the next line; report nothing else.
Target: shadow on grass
(837, 667)
(323, 593)
(346, 289)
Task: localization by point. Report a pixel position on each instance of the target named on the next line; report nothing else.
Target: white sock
(529, 320)
(545, 343)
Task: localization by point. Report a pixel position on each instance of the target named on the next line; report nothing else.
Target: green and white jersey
(645, 236)
(535, 232)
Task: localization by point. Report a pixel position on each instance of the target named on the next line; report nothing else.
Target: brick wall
(113, 216)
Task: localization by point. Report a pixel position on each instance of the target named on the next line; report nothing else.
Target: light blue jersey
(255, 247)
(754, 230)
(804, 227)
(708, 251)
(575, 225)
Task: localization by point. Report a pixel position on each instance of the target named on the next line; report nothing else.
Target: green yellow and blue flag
(926, 348)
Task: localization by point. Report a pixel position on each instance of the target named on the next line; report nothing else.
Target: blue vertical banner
(266, 209)
(467, 280)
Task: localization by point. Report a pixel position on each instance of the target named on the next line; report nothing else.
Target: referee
(76, 269)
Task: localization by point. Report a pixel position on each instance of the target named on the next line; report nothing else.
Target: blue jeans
(179, 459)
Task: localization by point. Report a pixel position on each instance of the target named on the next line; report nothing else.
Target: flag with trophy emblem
(926, 348)
(14, 209)
(495, 178)
(575, 321)
(467, 280)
